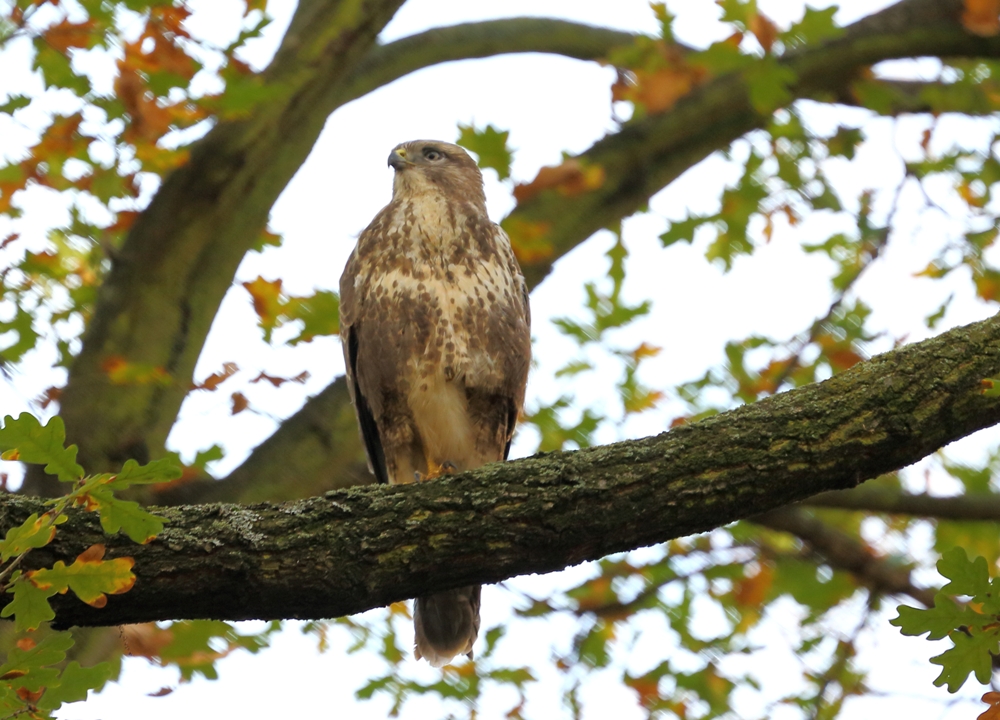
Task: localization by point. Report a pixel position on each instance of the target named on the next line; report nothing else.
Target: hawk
(435, 326)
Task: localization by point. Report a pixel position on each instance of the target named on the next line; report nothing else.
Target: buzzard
(435, 326)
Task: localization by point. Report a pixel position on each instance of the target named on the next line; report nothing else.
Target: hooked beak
(397, 159)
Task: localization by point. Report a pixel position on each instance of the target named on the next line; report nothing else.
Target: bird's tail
(446, 624)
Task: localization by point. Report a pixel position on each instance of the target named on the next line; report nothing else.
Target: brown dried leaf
(240, 403)
(764, 30)
(982, 17)
(212, 382)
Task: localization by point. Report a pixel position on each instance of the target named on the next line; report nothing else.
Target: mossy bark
(359, 548)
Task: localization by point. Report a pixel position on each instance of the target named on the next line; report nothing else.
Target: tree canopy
(765, 491)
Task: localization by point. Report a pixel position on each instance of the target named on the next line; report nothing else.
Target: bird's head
(432, 166)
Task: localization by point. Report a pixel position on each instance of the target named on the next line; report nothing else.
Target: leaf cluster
(28, 682)
(972, 626)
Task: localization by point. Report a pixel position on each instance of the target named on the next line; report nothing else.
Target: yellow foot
(435, 470)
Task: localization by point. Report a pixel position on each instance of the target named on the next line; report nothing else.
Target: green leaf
(768, 82)
(938, 621)
(16, 102)
(737, 11)
(57, 70)
(968, 577)
(573, 368)
(158, 471)
(27, 440)
(490, 145)
(191, 649)
(204, 457)
(126, 516)
(814, 27)
(971, 654)
(844, 142)
(684, 229)
(319, 314)
(35, 532)
(75, 682)
(90, 577)
(30, 606)
(267, 238)
(720, 58)
(31, 663)
(23, 325)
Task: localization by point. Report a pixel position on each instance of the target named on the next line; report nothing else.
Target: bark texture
(359, 548)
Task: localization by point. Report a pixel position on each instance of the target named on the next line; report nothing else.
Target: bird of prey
(435, 326)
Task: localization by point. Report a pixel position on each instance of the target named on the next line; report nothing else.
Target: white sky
(550, 105)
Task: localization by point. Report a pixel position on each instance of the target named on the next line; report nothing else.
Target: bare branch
(842, 552)
(982, 507)
(467, 41)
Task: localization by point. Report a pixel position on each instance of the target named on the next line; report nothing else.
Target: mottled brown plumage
(435, 328)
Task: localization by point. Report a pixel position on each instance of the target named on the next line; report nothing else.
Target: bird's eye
(432, 154)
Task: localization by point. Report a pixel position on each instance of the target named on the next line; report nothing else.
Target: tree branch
(364, 547)
(842, 552)
(647, 155)
(468, 41)
(899, 97)
(984, 507)
(326, 454)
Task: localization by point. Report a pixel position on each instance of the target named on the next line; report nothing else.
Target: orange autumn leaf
(65, 35)
(982, 17)
(529, 240)
(988, 286)
(752, 591)
(124, 221)
(993, 711)
(29, 696)
(970, 196)
(647, 687)
(26, 644)
(570, 178)
(645, 350)
(764, 30)
(92, 554)
(266, 296)
(149, 121)
(596, 594)
(658, 88)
